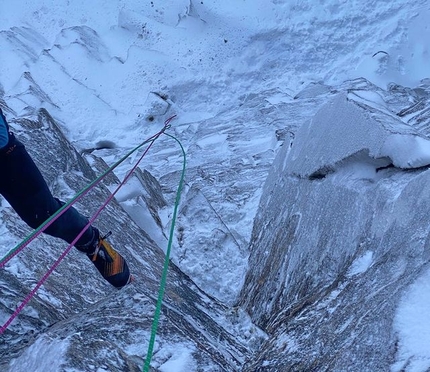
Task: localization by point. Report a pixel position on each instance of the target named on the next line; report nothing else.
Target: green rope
(37, 231)
(166, 264)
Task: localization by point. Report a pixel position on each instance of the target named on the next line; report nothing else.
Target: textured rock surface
(339, 235)
(72, 308)
(342, 226)
(331, 255)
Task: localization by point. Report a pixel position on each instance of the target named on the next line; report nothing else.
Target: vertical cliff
(341, 232)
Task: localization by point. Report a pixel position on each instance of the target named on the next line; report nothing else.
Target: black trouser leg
(24, 188)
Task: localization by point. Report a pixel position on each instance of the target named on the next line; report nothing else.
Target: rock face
(342, 230)
(71, 320)
(340, 233)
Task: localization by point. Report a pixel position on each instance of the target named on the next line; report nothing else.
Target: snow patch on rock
(413, 329)
(51, 351)
(361, 264)
(344, 128)
(407, 151)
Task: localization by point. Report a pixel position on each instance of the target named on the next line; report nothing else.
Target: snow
(407, 151)
(406, 63)
(41, 356)
(180, 360)
(413, 327)
(101, 62)
(361, 264)
(371, 141)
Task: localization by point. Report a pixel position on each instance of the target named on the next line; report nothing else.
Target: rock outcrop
(76, 319)
(342, 231)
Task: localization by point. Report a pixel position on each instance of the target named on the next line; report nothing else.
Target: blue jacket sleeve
(4, 135)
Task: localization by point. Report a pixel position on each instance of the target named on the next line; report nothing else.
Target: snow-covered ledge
(342, 129)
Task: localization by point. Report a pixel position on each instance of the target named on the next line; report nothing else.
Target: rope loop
(166, 262)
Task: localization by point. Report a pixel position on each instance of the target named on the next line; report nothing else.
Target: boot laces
(100, 249)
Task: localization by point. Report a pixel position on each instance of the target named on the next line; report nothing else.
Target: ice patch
(212, 140)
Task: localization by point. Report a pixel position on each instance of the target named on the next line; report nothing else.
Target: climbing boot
(111, 265)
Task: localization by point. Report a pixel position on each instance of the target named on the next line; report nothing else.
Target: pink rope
(70, 246)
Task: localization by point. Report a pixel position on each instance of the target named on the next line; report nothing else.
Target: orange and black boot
(110, 263)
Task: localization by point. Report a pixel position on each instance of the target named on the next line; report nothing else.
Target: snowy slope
(242, 78)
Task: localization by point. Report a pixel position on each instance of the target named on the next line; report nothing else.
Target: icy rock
(75, 314)
(338, 237)
(342, 128)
